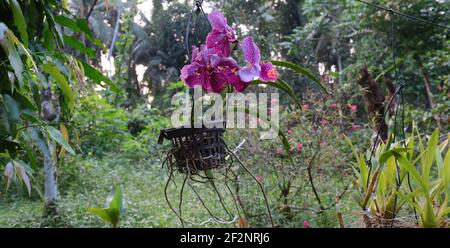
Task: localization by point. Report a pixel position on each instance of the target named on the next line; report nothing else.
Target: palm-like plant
(431, 198)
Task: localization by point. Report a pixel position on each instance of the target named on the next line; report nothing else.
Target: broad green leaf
(430, 155)
(408, 199)
(39, 140)
(11, 112)
(74, 43)
(67, 22)
(98, 77)
(386, 155)
(84, 26)
(19, 21)
(406, 164)
(300, 70)
(11, 107)
(110, 215)
(56, 135)
(117, 200)
(62, 83)
(446, 170)
(7, 40)
(429, 218)
(54, 27)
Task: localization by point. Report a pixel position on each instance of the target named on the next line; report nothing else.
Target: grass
(135, 164)
(86, 181)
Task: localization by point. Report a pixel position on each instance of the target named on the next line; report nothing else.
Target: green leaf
(286, 145)
(84, 26)
(117, 200)
(7, 42)
(12, 113)
(110, 215)
(430, 155)
(446, 170)
(74, 43)
(62, 83)
(389, 69)
(54, 27)
(282, 85)
(11, 107)
(19, 21)
(98, 77)
(300, 70)
(56, 135)
(39, 140)
(386, 155)
(67, 22)
(406, 164)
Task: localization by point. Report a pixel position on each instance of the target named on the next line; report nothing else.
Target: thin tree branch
(91, 9)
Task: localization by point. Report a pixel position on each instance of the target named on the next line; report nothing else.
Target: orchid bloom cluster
(213, 69)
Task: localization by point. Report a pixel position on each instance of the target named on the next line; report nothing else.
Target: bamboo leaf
(98, 77)
(65, 134)
(62, 83)
(74, 43)
(19, 21)
(7, 42)
(56, 135)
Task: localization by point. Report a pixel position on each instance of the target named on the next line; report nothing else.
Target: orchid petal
(190, 76)
(251, 51)
(217, 20)
(268, 72)
(218, 82)
(249, 73)
(194, 55)
(237, 83)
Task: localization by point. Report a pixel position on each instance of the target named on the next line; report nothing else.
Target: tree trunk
(374, 99)
(50, 114)
(50, 183)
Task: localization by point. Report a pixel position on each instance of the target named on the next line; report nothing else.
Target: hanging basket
(196, 149)
(375, 221)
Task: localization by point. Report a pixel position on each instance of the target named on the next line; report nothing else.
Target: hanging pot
(196, 149)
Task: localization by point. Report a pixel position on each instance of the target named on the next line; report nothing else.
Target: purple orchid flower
(221, 36)
(211, 71)
(254, 69)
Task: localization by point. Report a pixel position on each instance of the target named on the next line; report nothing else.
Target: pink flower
(353, 108)
(221, 36)
(324, 122)
(211, 71)
(274, 100)
(299, 147)
(254, 69)
(289, 131)
(305, 224)
(259, 178)
(305, 106)
(356, 127)
(333, 106)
